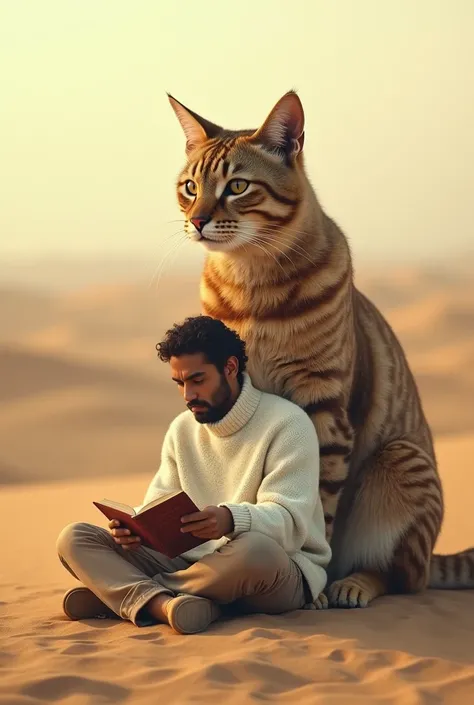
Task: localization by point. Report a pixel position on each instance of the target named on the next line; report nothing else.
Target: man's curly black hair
(203, 334)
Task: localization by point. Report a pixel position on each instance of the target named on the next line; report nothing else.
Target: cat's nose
(200, 221)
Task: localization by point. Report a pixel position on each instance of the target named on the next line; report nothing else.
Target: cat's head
(242, 189)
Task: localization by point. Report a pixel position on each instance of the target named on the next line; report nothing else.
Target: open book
(158, 523)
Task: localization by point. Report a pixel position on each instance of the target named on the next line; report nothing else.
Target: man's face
(205, 390)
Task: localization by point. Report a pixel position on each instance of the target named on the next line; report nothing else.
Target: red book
(158, 523)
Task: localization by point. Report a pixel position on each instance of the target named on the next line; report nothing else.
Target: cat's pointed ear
(283, 129)
(196, 128)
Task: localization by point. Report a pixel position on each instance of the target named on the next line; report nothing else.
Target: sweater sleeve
(166, 478)
(289, 491)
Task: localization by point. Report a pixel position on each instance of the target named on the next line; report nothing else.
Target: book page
(118, 505)
(158, 500)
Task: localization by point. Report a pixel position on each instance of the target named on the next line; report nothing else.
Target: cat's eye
(237, 186)
(191, 187)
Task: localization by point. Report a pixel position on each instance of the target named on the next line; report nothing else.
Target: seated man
(250, 460)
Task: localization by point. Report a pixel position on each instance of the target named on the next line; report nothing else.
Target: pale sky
(90, 148)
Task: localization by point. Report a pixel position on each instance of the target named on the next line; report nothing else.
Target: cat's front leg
(336, 438)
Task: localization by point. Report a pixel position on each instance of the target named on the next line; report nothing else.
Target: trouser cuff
(135, 612)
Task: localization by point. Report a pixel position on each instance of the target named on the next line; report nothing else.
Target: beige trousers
(252, 573)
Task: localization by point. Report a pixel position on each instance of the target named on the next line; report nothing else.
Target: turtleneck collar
(244, 408)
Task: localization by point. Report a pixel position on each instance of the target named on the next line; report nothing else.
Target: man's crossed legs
(252, 573)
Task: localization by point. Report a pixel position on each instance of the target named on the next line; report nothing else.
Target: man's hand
(123, 537)
(211, 523)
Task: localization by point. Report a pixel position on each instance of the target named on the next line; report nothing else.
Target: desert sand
(84, 405)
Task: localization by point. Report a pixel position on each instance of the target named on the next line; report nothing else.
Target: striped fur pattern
(279, 272)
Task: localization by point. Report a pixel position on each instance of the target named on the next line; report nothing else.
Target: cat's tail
(452, 572)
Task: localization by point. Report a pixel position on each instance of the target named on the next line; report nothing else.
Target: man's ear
(196, 128)
(232, 367)
(283, 129)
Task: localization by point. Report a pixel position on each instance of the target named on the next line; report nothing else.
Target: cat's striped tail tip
(452, 572)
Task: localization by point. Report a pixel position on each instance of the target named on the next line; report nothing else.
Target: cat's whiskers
(165, 259)
(281, 252)
(283, 229)
(171, 236)
(272, 245)
(252, 241)
(295, 247)
(273, 228)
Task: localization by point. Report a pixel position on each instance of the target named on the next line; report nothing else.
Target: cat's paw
(348, 593)
(321, 603)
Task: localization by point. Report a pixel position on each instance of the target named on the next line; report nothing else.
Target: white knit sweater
(262, 462)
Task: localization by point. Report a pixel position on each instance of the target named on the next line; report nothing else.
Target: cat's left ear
(284, 127)
(196, 128)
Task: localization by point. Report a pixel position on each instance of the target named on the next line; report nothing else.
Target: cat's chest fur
(260, 369)
(268, 351)
(260, 352)
(288, 352)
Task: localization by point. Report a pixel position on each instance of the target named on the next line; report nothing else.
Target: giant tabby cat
(279, 272)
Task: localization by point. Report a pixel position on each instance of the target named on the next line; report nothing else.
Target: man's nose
(189, 395)
(199, 221)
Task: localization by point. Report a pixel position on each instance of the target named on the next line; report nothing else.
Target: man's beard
(219, 406)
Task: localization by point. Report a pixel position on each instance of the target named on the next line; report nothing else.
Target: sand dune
(84, 404)
(77, 418)
(30, 374)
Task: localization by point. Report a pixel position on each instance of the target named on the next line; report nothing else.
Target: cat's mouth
(216, 240)
(206, 238)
